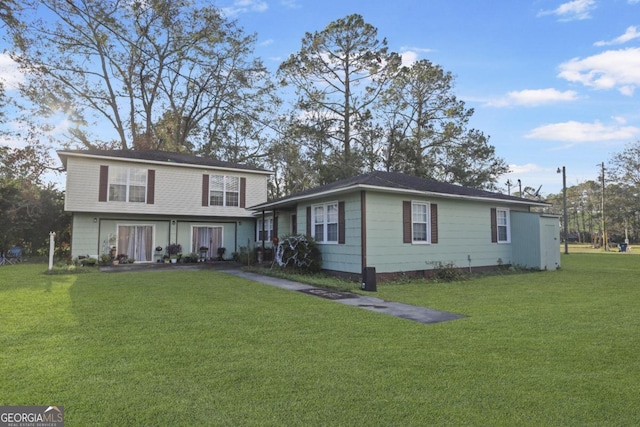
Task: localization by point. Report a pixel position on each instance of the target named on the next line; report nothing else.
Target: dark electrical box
(369, 279)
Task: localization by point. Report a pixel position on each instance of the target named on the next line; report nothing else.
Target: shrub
(446, 272)
(300, 253)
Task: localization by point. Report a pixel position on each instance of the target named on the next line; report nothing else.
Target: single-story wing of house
(401, 224)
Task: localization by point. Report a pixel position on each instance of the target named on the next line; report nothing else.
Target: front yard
(200, 347)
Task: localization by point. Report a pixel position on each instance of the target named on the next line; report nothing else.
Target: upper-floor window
(224, 190)
(127, 184)
(325, 222)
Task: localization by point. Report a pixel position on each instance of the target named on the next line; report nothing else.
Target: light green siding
(536, 241)
(464, 236)
(96, 238)
(340, 257)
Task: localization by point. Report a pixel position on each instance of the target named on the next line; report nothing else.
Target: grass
(200, 347)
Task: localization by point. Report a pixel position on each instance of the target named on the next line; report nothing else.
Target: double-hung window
(325, 222)
(265, 231)
(224, 190)
(420, 231)
(503, 226)
(127, 184)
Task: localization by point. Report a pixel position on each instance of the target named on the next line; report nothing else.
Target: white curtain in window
(135, 241)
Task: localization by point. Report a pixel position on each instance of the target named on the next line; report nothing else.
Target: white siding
(178, 190)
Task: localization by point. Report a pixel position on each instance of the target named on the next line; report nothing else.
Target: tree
(624, 167)
(29, 208)
(162, 74)
(427, 133)
(337, 75)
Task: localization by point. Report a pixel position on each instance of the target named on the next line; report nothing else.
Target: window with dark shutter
(205, 190)
(243, 192)
(151, 186)
(494, 226)
(103, 189)
(434, 223)
(341, 223)
(406, 222)
(308, 220)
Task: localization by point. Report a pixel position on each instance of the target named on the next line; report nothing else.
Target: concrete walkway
(397, 309)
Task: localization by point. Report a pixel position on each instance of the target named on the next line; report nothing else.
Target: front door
(208, 237)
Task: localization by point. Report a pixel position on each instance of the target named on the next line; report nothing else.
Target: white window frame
(503, 223)
(227, 189)
(268, 229)
(129, 181)
(323, 220)
(427, 222)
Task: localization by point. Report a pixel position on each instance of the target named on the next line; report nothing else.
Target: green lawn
(198, 347)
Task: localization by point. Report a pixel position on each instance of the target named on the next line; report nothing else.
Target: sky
(552, 82)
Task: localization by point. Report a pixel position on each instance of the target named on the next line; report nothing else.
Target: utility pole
(605, 241)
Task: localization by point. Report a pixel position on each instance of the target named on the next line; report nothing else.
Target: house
(137, 203)
(398, 223)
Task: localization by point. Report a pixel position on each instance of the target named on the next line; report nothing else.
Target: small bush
(448, 272)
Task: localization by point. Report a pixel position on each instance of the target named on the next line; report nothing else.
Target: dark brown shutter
(341, 227)
(151, 186)
(434, 223)
(275, 224)
(406, 222)
(309, 221)
(243, 192)
(103, 188)
(205, 190)
(494, 225)
(294, 224)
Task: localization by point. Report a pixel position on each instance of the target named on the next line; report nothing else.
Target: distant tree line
(621, 198)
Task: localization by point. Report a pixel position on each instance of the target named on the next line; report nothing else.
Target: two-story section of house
(137, 203)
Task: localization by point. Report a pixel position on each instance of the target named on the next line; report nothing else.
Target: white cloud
(572, 11)
(533, 98)
(267, 42)
(244, 6)
(577, 132)
(631, 34)
(619, 69)
(409, 55)
(291, 4)
(408, 58)
(9, 72)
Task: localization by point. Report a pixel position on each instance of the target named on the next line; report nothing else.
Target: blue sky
(552, 82)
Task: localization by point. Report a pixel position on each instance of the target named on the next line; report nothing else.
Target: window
(420, 222)
(325, 222)
(267, 234)
(224, 190)
(127, 184)
(502, 223)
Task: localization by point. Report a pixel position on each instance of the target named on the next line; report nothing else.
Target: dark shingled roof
(400, 182)
(161, 156)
